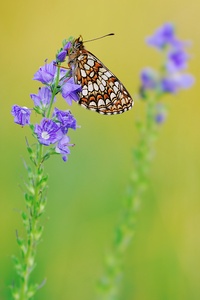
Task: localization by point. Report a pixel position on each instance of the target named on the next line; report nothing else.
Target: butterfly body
(101, 91)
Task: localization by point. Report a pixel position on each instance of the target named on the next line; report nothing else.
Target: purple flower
(66, 119)
(67, 46)
(161, 113)
(70, 90)
(60, 57)
(176, 81)
(43, 98)
(170, 79)
(48, 132)
(149, 78)
(21, 115)
(177, 60)
(46, 73)
(160, 118)
(163, 36)
(63, 147)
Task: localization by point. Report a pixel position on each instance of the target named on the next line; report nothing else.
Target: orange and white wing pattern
(101, 91)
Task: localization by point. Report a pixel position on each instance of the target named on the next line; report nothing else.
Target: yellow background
(86, 194)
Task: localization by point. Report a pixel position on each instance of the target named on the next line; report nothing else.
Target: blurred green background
(86, 194)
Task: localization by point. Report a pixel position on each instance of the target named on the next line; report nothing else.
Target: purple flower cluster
(54, 126)
(171, 78)
(66, 86)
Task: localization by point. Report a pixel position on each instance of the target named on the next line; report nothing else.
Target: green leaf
(43, 182)
(18, 266)
(32, 127)
(29, 199)
(30, 150)
(22, 245)
(25, 220)
(38, 233)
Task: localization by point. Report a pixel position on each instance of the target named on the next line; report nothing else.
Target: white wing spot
(101, 87)
(115, 89)
(90, 86)
(92, 104)
(103, 70)
(101, 103)
(83, 73)
(103, 113)
(80, 57)
(108, 74)
(104, 77)
(98, 81)
(86, 66)
(92, 74)
(90, 62)
(112, 96)
(108, 101)
(96, 87)
(123, 101)
(84, 91)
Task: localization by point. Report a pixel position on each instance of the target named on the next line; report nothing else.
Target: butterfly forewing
(101, 91)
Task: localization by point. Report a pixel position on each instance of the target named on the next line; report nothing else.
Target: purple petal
(43, 98)
(67, 46)
(46, 73)
(149, 78)
(61, 56)
(63, 147)
(163, 35)
(48, 132)
(175, 82)
(66, 120)
(177, 60)
(21, 115)
(70, 91)
(161, 113)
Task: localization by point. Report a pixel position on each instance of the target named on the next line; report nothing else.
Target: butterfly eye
(77, 45)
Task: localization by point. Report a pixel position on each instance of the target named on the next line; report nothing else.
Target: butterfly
(101, 91)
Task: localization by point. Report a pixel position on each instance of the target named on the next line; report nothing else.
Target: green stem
(35, 198)
(109, 285)
(29, 258)
(54, 91)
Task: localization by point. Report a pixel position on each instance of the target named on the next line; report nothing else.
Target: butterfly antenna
(99, 37)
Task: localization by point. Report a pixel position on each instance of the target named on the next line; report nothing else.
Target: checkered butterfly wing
(101, 91)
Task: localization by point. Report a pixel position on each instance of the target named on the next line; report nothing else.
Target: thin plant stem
(33, 220)
(35, 204)
(110, 283)
(35, 199)
(54, 91)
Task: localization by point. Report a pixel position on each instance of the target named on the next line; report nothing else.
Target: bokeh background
(86, 194)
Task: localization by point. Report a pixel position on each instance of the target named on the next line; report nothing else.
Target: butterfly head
(78, 43)
(76, 48)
